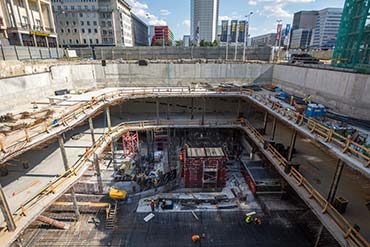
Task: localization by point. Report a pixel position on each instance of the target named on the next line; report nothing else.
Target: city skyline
(266, 12)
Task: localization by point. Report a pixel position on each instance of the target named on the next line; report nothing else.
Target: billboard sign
(224, 30)
(242, 31)
(278, 31)
(233, 31)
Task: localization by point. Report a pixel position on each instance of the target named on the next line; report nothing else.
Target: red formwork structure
(130, 143)
(204, 167)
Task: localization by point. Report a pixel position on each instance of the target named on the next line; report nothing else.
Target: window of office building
(95, 23)
(81, 14)
(83, 30)
(88, 23)
(77, 41)
(97, 41)
(96, 30)
(85, 41)
(89, 30)
(82, 23)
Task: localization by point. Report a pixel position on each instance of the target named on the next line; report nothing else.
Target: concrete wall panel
(344, 92)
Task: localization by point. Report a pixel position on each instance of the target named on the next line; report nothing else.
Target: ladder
(111, 216)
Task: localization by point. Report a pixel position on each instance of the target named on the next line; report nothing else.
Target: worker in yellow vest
(248, 219)
(308, 99)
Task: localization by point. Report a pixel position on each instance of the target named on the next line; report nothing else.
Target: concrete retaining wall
(181, 74)
(22, 90)
(346, 93)
(167, 53)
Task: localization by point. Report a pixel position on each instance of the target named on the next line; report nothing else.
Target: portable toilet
(310, 110)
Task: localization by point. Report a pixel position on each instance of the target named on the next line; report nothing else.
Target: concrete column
(4, 206)
(273, 129)
(192, 109)
(204, 110)
(64, 153)
(265, 118)
(91, 124)
(41, 15)
(292, 145)
(98, 174)
(109, 122)
(66, 167)
(157, 109)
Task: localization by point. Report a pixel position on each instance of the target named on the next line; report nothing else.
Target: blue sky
(176, 13)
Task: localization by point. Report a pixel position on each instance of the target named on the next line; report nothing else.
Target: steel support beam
(168, 111)
(273, 131)
(157, 109)
(91, 124)
(265, 118)
(332, 193)
(204, 110)
(335, 181)
(292, 145)
(98, 173)
(4, 206)
(66, 167)
(192, 109)
(238, 108)
(109, 122)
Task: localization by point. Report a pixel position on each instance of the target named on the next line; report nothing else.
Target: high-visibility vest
(248, 219)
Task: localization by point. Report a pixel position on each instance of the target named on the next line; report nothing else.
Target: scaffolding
(352, 48)
(130, 143)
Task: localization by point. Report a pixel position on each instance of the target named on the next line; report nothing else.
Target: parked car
(303, 59)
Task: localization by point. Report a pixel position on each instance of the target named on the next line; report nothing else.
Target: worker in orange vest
(195, 238)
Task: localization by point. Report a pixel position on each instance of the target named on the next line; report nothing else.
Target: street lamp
(245, 33)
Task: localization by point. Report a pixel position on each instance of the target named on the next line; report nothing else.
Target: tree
(216, 43)
(159, 42)
(179, 42)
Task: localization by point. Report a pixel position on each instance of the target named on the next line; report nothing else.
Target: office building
(204, 17)
(303, 24)
(140, 31)
(162, 33)
(300, 39)
(93, 23)
(27, 23)
(326, 29)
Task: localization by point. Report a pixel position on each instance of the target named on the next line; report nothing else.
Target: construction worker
(257, 221)
(308, 99)
(248, 219)
(152, 205)
(195, 238)
(292, 100)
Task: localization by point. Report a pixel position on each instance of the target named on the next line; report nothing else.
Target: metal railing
(18, 140)
(348, 231)
(355, 150)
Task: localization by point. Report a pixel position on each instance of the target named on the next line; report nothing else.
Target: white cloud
(276, 8)
(142, 10)
(164, 12)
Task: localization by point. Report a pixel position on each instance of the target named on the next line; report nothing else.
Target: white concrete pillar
(31, 21)
(41, 15)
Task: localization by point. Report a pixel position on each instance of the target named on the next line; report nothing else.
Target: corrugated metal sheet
(196, 152)
(214, 152)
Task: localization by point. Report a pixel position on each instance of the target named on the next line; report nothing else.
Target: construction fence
(29, 53)
(172, 53)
